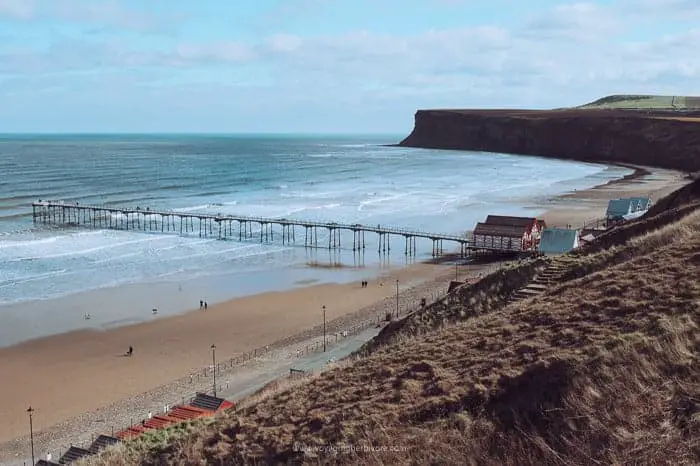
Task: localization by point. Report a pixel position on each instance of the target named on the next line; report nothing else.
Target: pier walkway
(233, 227)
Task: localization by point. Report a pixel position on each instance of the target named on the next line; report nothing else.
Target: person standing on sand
(131, 351)
(201, 304)
(205, 305)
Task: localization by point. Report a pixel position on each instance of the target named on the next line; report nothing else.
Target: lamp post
(31, 431)
(213, 360)
(397, 298)
(324, 328)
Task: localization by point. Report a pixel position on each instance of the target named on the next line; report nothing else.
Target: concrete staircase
(541, 283)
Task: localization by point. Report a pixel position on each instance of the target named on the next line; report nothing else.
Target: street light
(213, 360)
(31, 431)
(324, 328)
(397, 298)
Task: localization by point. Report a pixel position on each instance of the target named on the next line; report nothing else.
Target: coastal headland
(663, 139)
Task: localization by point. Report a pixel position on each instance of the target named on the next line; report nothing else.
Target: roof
(618, 207)
(589, 237)
(499, 230)
(558, 240)
(509, 221)
(73, 454)
(640, 203)
(621, 207)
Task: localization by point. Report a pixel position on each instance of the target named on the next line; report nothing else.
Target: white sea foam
(346, 182)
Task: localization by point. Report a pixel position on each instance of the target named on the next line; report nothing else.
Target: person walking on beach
(201, 304)
(205, 305)
(131, 351)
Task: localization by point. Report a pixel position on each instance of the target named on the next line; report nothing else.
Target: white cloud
(578, 21)
(656, 9)
(18, 9)
(570, 55)
(103, 12)
(471, 61)
(284, 43)
(194, 54)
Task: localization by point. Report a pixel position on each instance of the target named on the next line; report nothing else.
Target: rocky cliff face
(585, 135)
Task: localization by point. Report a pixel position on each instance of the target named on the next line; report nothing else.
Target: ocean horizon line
(205, 134)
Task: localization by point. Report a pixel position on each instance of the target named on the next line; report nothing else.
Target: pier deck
(233, 227)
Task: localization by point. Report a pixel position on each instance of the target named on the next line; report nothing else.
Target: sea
(50, 278)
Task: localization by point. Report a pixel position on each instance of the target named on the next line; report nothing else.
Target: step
(538, 286)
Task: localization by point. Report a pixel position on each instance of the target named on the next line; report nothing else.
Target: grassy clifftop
(603, 368)
(645, 102)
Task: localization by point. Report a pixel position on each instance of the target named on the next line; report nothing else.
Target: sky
(327, 66)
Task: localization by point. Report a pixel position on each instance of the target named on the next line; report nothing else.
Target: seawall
(585, 135)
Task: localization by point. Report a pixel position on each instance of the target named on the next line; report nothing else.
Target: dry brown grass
(602, 369)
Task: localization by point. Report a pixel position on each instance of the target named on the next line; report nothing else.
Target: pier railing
(222, 226)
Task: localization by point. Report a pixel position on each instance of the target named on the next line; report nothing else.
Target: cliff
(660, 139)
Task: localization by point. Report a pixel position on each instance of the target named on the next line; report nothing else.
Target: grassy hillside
(603, 368)
(645, 102)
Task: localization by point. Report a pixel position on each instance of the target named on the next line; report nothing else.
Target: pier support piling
(139, 219)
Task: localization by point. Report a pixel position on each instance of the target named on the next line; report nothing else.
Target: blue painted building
(627, 208)
(558, 240)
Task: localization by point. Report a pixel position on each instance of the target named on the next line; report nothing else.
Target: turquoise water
(333, 178)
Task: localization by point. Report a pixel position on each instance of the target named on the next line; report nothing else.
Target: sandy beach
(87, 369)
(66, 375)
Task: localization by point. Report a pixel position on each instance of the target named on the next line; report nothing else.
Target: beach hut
(640, 204)
(626, 209)
(559, 240)
(508, 233)
(533, 227)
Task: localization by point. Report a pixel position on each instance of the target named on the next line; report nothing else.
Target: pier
(236, 227)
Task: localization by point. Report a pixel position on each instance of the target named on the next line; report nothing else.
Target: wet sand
(63, 375)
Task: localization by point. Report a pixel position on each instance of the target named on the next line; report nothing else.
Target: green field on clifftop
(641, 102)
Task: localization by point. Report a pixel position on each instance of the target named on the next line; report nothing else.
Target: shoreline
(85, 363)
(168, 348)
(81, 424)
(135, 300)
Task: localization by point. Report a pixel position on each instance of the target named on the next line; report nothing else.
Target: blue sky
(340, 66)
